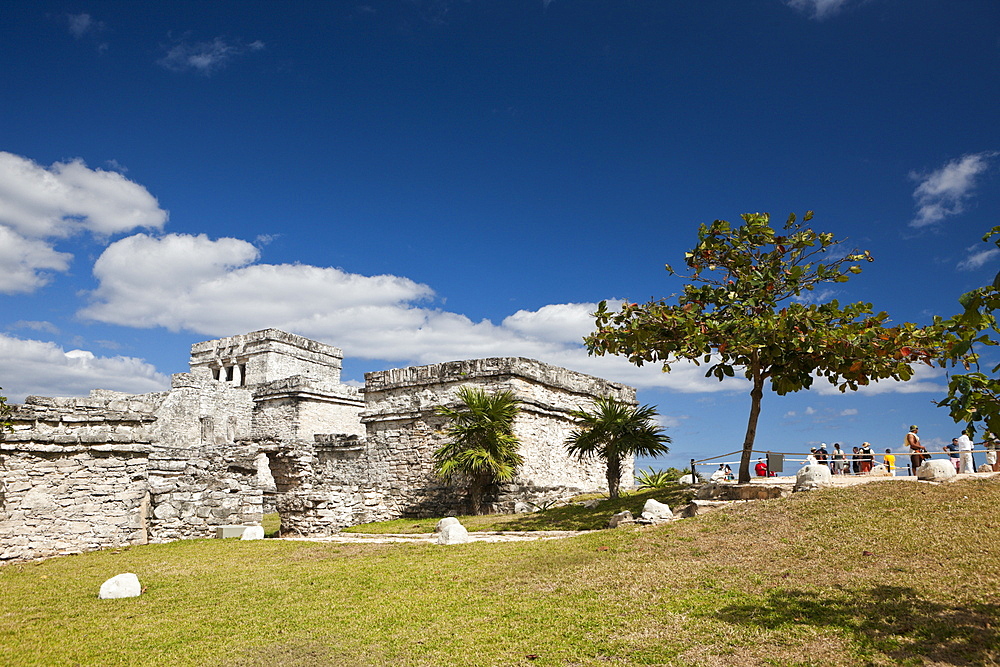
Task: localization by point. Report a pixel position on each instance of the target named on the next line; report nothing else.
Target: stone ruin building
(262, 423)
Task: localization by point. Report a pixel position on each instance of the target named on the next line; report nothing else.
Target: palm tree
(613, 431)
(483, 448)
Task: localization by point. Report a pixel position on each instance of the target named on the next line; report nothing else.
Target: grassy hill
(889, 573)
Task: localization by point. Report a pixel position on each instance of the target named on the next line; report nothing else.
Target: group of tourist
(861, 459)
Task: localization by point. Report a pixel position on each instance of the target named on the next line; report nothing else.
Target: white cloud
(926, 379)
(818, 9)
(39, 206)
(564, 322)
(669, 421)
(24, 262)
(47, 327)
(814, 296)
(82, 24)
(943, 193)
(216, 288)
(69, 198)
(32, 367)
(978, 259)
(205, 58)
(810, 411)
(849, 412)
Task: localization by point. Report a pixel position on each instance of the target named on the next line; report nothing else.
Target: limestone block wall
(72, 500)
(112, 468)
(328, 484)
(265, 356)
(404, 432)
(73, 476)
(194, 490)
(298, 407)
(199, 412)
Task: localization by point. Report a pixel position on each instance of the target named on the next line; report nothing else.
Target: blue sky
(422, 180)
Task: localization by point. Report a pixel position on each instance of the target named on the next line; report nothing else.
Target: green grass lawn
(878, 574)
(567, 517)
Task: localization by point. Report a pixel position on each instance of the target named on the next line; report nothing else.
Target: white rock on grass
(936, 470)
(253, 533)
(122, 586)
(445, 522)
(812, 477)
(687, 479)
(656, 511)
(454, 533)
(622, 518)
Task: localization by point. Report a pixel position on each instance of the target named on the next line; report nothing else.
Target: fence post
(694, 478)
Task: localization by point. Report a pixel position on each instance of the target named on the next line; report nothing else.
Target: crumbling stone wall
(74, 476)
(265, 356)
(328, 484)
(194, 490)
(404, 430)
(296, 408)
(263, 421)
(113, 469)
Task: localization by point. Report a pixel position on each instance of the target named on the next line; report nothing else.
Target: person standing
(839, 459)
(965, 463)
(889, 461)
(917, 451)
(821, 454)
(867, 457)
(855, 460)
(992, 444)
(952, 450)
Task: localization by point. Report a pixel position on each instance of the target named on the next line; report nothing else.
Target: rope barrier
(829, 456)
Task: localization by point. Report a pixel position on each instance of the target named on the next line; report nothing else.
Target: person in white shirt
(965, 453)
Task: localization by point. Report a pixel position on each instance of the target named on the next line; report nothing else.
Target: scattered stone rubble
(262, 422)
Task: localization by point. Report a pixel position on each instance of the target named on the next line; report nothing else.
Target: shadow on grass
(892, 620)
(567, 517)
(578, 517)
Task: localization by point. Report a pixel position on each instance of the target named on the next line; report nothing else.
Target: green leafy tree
(743, 311)
(612, 431)
(483, 451)
(974, 397)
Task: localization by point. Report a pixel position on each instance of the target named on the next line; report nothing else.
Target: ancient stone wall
(328, 484)
(262, 421)
(297, 408)
(192, 491)
(113, 469)
(74, 476)
(265, 356)
(404, 431)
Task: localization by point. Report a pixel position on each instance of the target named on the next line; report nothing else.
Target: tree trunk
(476, 497)
(614, 476)
(755, 395)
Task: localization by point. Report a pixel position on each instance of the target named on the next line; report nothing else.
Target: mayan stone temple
(263, 423)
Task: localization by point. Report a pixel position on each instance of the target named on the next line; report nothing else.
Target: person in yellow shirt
(889, 459)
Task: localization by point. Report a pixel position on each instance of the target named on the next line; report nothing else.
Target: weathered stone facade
(263, 421)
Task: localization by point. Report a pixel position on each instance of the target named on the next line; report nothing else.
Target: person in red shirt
(760, 468)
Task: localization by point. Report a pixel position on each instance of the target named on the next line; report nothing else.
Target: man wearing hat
(917, 451)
